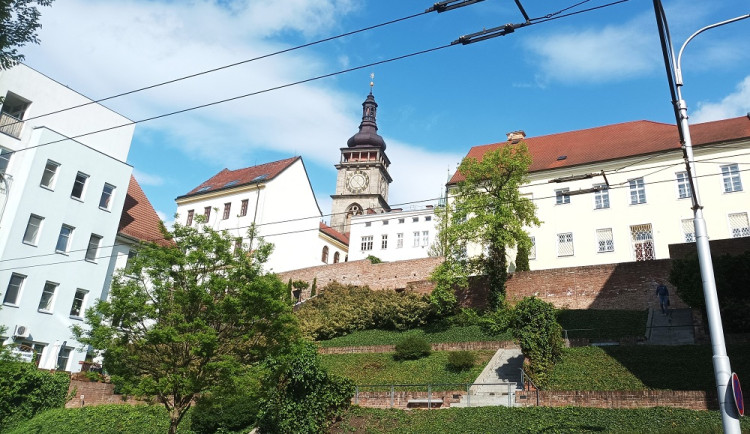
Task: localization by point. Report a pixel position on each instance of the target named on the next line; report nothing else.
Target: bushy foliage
(303, 397)
(539, 335)
(339, 310)
(412, 348)
(19, 22)
(497, 321)
(374, 259)
(231, 405)
(26, 391)
(447, 276)
(461, 360)
(522, 258)
(731, 273)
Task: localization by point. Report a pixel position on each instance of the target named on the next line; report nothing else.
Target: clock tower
(363, 178)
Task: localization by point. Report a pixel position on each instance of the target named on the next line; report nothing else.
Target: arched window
(325, 255)
(336, 258)
(352, 210)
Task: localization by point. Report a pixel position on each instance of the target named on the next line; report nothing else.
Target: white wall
(398, 222)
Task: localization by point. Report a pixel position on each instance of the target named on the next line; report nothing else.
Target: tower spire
(372, 81)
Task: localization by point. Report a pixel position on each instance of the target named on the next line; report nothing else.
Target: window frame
(81, 305)
(227, 210)
(560, 198)
(637, 191)
(416, 239)
(605, 245)
(400, 240)
(730, 176)
(50, 305)
(425, 238)
(5, 155)
(52, 181)
(243, 207)
(561, 243)
(366, 243)
(601, 197)
(207, 213)
(383, 241)
(34, 241)
(109, 197)
(190, 215)
(69, 237)
(91, 253)
(63, 355)
(83, 185)
(18, 289)
(683, 185)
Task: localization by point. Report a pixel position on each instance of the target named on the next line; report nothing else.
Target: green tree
(522, 258)
(19, 21)
(488, 210)
(187, 316)
(539, 334)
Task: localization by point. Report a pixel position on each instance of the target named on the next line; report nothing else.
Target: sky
(592, 69)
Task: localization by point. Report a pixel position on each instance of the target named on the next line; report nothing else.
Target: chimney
(516, 136)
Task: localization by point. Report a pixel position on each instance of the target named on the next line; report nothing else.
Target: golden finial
(372, 81)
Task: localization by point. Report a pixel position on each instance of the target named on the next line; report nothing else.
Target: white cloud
(732, 105)
(144, 178)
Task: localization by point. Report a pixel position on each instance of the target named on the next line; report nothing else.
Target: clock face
(357, 182)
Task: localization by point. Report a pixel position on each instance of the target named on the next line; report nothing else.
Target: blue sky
(592, 69)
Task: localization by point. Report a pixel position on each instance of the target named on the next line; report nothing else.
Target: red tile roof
(333, 233)
(234, 178)
(616, 141)
(138, 219)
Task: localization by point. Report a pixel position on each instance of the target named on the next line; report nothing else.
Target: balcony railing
(10, 125)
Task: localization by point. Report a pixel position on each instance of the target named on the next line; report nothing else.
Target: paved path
(676, 328)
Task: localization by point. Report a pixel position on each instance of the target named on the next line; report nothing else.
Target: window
(366, 243)
(425, 238)
(13, 293)
(428, 218)
(560, 198)
(601, 197)
(93, 247)
(604, 240)
(238, 246)
(683, 185)
(76, 310)
(368, 224)
(63, 241)
(416, 238)
(642, 237)
(399, 240)
(243, 208)
(414, 219)
(336, 257)
(48, 297)
(565, 244)
(4, 158)
(50, 175)
(637, 191)
(11, 116)
(79, 186)
(33, 227)
(131, 257)
(731, 175)
(384, 241)
(688, 230)
(324, 257)
(189, 218)
(401, 221)
(532, 250)
(739, 225)
(62, 359)
(227, 209)
(385, 222)
(105, 202)
(207, 213)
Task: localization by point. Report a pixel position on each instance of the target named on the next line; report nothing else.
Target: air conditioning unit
(21, 331)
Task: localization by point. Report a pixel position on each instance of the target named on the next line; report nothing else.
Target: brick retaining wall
(401, 399)
(689, 399)
(442, 346)
(95, 393)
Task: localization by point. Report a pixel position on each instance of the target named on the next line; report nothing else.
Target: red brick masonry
(443, 346)
(95, 394)
(690, 399)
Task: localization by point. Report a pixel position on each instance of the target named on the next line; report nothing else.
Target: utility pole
(722, 368)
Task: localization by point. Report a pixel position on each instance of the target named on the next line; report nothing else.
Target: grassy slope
(430, 334)
(603, 324)
(382, 369)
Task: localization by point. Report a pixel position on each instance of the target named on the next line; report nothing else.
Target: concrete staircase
(498, 382)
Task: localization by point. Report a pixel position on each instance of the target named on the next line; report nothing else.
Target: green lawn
(640, 367)
(380, 368)
(603, 324)
(430, 334)
(532, 420)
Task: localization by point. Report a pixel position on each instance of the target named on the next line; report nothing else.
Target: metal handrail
(525, 378)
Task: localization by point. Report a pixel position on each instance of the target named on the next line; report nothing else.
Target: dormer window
(12, 113)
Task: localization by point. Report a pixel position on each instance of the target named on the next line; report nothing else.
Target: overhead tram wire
(438, 7)
(332, 74)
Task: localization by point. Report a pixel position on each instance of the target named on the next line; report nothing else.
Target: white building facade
(63, 196)
(278, 199)
(641, 204)
(396, 235)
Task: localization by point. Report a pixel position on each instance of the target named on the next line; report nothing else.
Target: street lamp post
(722, 368)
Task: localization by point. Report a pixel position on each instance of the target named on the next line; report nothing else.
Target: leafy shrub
(540, 336)
(301, 396)
(461, 360)
(412, 348)
(339, 310)
(101, 419)
(374, 259)
(497, 321)
(26, 391)
(229, 407)
(522, 258)
(465, 317)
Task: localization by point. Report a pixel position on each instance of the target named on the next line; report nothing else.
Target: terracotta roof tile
(234, 178)
(333, 233)
(616, 141)
(138, 219)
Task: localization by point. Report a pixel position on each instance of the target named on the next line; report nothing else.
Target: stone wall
(689, 399)
(88, 393)
(400, 399)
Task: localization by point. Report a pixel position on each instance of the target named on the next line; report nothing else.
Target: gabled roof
(235, 178)
(138, 219)
(611, 142)
(333, 233)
